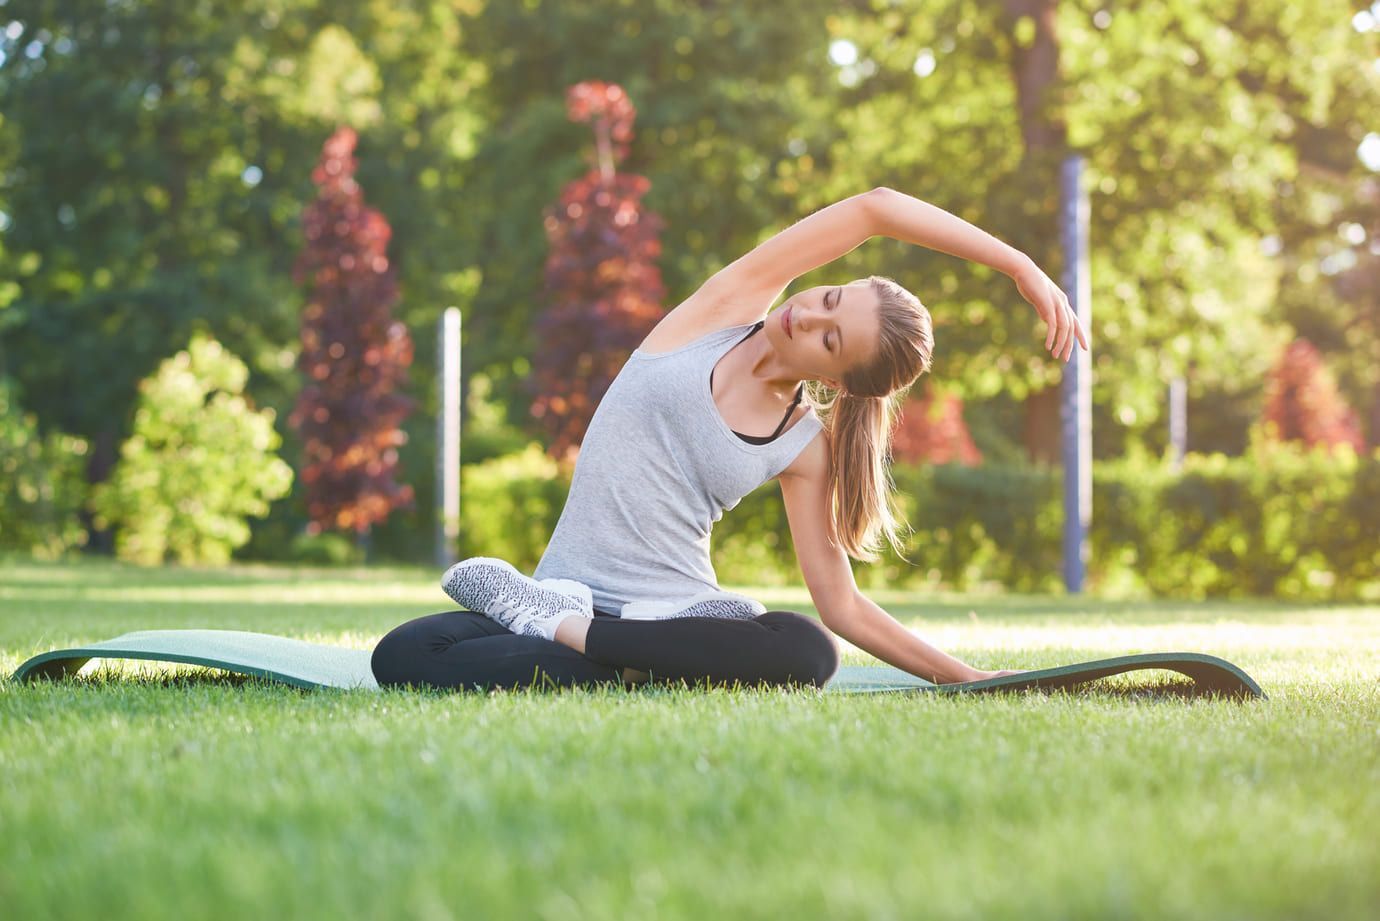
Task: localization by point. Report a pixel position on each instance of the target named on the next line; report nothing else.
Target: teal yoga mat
(313, 665)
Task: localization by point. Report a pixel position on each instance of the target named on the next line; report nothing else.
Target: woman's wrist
(968, 673)
(1015, 263)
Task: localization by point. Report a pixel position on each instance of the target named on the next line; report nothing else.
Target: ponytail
(858, 421)
(862, 509)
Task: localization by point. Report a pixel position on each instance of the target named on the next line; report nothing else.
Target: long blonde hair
(858, 421)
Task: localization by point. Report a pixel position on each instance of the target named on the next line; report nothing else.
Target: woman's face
(821, 333)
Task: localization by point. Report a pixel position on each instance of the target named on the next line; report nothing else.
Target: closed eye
(828, 347)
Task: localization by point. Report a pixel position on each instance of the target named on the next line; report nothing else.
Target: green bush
(974, 526)
(44, 485)
(199, 461)
(1280, 520)
(509, 506)
(327, 549)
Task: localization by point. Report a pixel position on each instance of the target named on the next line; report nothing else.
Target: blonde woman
(626, 588)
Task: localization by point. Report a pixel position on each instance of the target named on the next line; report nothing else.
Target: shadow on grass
(1160, 692)
(193, 677)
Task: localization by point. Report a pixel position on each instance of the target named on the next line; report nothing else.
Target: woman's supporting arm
(873, 630)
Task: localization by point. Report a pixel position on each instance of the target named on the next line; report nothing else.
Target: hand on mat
(1053, 307)
(1000, 673)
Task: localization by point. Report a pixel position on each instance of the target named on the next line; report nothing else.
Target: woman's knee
(393, 653)
(402, 655)
(811, 656)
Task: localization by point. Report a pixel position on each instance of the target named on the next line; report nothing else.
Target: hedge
(1279, 521)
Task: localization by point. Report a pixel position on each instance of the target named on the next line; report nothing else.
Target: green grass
(174, 792)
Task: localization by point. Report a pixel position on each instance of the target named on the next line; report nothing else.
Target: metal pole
(448, 438)
(1076, 395)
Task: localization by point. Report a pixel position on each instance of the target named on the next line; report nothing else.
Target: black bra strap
(799, 391)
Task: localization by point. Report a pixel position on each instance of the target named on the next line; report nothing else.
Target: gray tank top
(658, 466)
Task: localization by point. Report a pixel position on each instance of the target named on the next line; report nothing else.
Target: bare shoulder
(811, 465)
(718, 304)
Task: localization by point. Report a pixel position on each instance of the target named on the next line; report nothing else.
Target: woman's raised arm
(904, 217)
(744, 290)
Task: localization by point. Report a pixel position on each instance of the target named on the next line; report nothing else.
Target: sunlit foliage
(199, 462)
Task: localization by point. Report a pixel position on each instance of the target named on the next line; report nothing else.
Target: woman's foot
(525, 606)
(706, 604)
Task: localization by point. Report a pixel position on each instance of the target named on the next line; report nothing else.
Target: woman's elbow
(838, 615)
(875, 204)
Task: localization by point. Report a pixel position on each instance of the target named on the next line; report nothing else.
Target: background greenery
(155, 158)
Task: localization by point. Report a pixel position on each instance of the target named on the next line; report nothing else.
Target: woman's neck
(763, 365)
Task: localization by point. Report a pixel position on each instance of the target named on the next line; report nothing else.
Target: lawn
(175, 792)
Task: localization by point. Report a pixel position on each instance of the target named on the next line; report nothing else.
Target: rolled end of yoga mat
(1211, 677)
(277, 658)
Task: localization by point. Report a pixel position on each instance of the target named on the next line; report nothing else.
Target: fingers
(1082, 336)
(1064, 330)
(1070, 331)
(1061, 342)
(1062, 326)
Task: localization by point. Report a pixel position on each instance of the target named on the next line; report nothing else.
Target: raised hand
(1053, 307)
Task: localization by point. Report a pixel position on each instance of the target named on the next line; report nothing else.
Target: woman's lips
(786, 322)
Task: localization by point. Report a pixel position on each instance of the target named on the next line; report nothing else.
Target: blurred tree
(354, 354)
(141, 200)
(1302, 403)
(602, 285)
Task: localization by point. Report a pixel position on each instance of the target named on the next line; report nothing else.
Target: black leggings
(462, 649)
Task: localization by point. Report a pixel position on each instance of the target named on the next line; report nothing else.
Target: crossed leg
(462, 649)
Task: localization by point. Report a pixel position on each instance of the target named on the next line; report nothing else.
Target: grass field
(173, 792)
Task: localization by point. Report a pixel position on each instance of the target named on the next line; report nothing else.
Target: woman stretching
(625, 589)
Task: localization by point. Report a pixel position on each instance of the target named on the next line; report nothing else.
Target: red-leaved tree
(602, 284)
(354, 354)
(931, 430)
(1302, 402)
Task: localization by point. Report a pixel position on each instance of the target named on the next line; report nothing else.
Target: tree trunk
(1373, 435)
(364, 542)
(1035, 68)
(99, 466)
(1041, 431)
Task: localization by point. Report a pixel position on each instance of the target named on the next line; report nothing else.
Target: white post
(448, 438)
